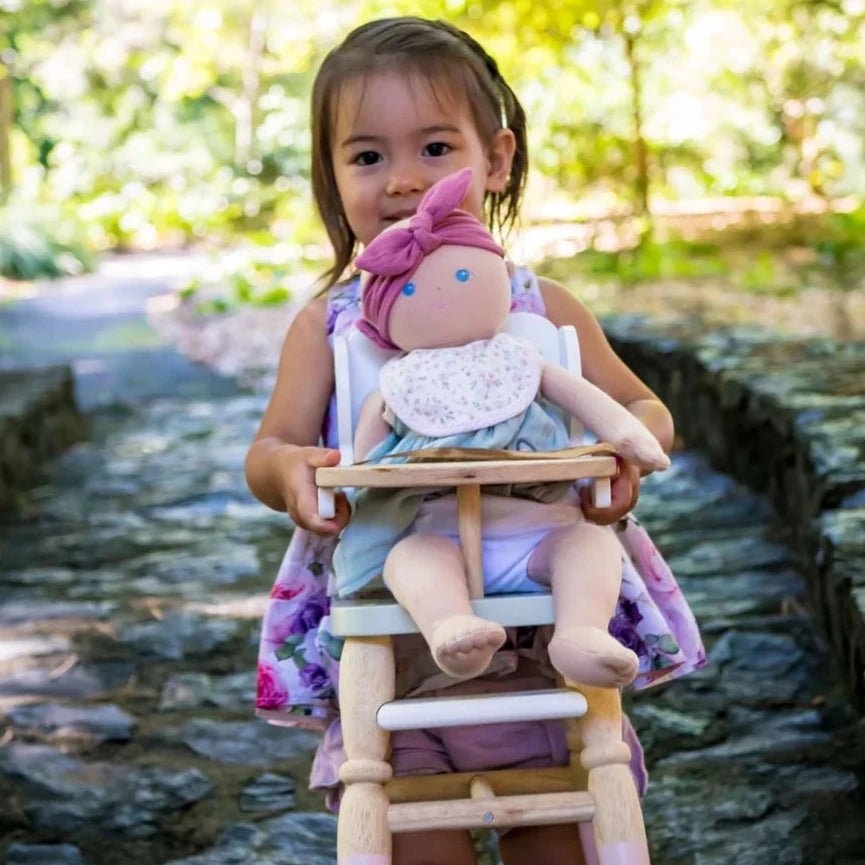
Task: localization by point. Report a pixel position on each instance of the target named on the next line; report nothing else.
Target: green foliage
(253, 276)
(39, 243)
(652, 260)
(187, 120)
(761, 272)
(841, 247)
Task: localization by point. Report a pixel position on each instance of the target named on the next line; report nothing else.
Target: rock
(38, 419)
(268, 792)
(43, 854)
(104, 723)
(65, 795)
(292, 839)
(193, 690)
(251, 743)
(179, 634)
(78, 682)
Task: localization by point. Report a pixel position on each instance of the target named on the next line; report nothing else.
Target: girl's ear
(500, 156)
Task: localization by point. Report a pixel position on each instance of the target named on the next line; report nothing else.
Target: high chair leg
(620, 836)
(366, 681)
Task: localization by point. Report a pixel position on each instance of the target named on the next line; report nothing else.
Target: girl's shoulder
(562, 307)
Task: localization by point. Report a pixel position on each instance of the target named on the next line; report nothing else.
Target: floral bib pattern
(447, 391)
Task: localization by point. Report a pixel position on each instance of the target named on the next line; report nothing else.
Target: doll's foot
(463, 646)
(590, 656)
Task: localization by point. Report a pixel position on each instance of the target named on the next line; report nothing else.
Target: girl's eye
(437, 148)
(463, 275)
(368, 157)
(408, 289)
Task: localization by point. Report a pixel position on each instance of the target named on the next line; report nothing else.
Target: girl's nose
(404, 180)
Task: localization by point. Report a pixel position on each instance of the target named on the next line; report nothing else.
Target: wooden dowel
(480, 788)
(505, 782)
(469, 517)
(531, 810)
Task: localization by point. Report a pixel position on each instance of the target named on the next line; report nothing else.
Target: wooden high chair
(597, 789)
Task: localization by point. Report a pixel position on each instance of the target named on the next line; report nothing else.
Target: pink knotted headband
(392, 258)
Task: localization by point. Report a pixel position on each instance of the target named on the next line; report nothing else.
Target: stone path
(130, 594)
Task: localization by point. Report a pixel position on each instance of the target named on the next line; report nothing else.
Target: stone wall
(38, 419)
(787, 417)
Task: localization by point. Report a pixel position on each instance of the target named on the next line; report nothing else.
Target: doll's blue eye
(408, 289)
(463, 275)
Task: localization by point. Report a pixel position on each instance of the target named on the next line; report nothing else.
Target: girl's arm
(603, 367)
(281, 463)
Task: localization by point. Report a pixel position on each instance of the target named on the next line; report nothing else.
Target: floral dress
(298, 669)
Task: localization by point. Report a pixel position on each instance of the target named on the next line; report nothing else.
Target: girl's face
(394, 136)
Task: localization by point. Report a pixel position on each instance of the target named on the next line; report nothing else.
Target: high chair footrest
(418, 714)
(373, 618)
(533, 809)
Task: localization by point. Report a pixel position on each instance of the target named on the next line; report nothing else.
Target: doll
(437, 290)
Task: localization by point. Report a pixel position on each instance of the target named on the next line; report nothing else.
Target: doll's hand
(637, 445)
(625, 490)
(297, 482)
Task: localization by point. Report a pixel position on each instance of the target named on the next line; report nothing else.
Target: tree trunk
(641, 155)
(6, 116)
(244, 111)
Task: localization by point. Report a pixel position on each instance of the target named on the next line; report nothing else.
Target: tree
(27, 25)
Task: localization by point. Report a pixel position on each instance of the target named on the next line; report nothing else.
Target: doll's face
(459, 294)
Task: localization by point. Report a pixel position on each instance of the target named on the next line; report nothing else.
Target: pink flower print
(285, 591)
(278, 627)
(271, 690)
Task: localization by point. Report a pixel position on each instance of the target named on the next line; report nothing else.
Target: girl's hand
(296, 467)
(624, 493)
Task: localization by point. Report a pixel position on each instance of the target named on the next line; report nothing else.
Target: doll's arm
(371, 428)
(609, 420)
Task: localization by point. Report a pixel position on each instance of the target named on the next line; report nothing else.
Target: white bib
(446, 391)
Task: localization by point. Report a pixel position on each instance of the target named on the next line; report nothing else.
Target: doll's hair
(432, 50)
(393, 256)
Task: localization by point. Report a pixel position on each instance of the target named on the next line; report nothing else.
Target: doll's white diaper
(511, 528)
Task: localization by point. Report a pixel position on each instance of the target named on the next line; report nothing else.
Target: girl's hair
(430, 49)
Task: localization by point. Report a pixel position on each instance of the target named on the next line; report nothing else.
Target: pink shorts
(517, 745)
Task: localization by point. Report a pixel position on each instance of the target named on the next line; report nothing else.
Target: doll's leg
(427, 575)
(583, 564)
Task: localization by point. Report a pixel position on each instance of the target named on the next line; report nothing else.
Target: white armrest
(373, 618)
(602, 495)
(419, 714)
(326, 503)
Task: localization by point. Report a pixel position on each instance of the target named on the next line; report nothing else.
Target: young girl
(400, 104)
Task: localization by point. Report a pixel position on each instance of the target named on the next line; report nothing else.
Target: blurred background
(685, 155)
